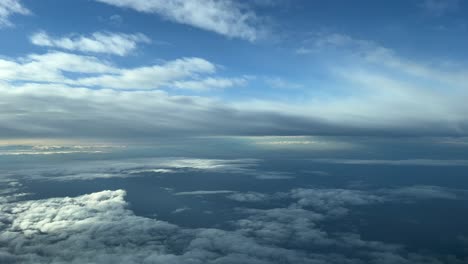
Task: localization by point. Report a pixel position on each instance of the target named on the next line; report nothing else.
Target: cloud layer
(98, 227)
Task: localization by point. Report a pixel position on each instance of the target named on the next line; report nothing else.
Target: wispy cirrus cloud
(9, 8)
(99, 42)
(224, 17)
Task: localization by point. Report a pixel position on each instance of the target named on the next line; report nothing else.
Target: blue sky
(129, 69)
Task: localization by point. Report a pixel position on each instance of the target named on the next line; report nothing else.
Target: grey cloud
(63, 107)
(87, 113)
(423, 192)
(333, 201)
(248, 197)
(407, 162)
(121, 168)
(53, 150)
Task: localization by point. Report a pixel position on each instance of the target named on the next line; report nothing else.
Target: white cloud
(151, 77)
(209, 83)
(180, 210)
(224, 17)
(98, 228)
(99, 42)
(202, 192)
(90, 71)
(8, 8)
(50, 67)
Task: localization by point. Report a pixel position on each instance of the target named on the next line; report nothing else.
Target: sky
(233, 132)
(121, 70)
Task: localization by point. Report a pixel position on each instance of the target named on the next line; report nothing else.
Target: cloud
(423, 192)
(121, 168)
(180, 210)
(385, 90)
(439, 7)
(87, 87)
(56, 230)
(204, 192)
(99, 228)
(224, 17)
(99, 42)
(333, 201)
(151, 77)
(53, 150)
(9, 8)
(11, 191)
(89, 71)
(289, 227)
(209, 83)
(248, 197)
(50, 67)
(408, 162)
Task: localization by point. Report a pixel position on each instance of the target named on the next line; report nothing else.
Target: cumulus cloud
(9, 8)
(99, 228)
(99, 42)
(224, 17)
(90, 228)
(333, 201)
